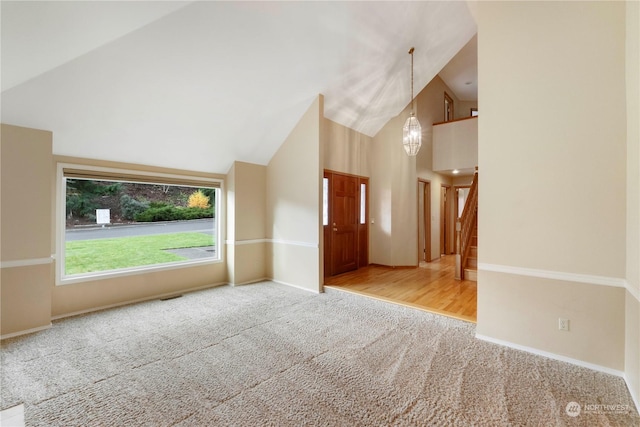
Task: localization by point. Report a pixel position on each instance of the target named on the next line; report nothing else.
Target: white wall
(455, 145)
(551, 196)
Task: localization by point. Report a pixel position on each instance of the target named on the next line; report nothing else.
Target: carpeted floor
(267, 354)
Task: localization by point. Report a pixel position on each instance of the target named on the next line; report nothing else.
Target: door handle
(335, 229)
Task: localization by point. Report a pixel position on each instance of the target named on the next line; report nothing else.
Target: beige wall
(293, 205)
(632, 321)
(544, 162)
(596, 317)
(393, 234)
(26, 197)
(551, 194)
(25, 239)
(431, 110)
(394, 183)
(30, 297)
(246, 231)
(463, 108)
(93, 294)
(346, 150)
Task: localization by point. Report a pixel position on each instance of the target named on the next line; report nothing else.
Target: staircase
(471, 265)
(467, 236)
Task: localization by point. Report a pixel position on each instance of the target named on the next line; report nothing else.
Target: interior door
(344, 227)
(443, 220)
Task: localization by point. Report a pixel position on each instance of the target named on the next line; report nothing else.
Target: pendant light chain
(411, 53)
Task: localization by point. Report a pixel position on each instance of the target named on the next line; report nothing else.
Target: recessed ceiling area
(199, 85)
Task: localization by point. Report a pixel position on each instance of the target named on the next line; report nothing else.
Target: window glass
(325, 201)
(363, 203)
(113, 226)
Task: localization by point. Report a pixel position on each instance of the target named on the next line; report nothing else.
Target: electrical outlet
(563, 324)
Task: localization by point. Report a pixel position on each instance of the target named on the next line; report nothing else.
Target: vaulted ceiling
(198, 85)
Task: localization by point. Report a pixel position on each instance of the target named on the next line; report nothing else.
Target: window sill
(103, 275)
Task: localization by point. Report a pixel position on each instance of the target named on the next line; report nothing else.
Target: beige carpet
(267, 354)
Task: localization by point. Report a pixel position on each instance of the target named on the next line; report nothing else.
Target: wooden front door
(344, 217)
(346, 231)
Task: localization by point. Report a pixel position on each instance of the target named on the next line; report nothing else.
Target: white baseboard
(554, 356)
(294, 286)
(634, 396)
(26, 331)
(566, 359)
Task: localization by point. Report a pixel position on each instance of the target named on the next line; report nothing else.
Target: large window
(117, 222)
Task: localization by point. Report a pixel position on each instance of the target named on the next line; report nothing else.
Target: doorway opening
(461, 192)
(345, 222)
(424, 221)
(448, 108)
(447, 220)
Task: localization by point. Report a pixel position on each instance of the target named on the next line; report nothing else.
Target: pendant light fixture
(412, 131)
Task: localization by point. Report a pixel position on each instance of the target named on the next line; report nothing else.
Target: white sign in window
(103, 216)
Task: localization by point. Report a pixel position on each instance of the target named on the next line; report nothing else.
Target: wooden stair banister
(465, 226)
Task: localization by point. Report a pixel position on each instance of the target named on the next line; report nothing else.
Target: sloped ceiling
(461, 73)
(198, 85)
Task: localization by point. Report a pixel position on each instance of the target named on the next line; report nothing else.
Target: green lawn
(87, 256)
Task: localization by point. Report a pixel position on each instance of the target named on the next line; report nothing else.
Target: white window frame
(61, 203)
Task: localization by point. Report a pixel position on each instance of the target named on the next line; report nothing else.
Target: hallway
(430, 287)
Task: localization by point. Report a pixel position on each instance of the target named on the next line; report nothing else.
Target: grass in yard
(87, 256)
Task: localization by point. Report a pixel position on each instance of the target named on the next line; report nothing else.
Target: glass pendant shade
(412, 135)
(412, 131)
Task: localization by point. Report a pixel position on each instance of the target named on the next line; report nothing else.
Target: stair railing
(465, 226)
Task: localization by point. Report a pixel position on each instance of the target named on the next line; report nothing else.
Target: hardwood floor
(431, 287)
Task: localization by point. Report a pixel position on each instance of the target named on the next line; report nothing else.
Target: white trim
(27, 262)
(634, 397)
(246, 242)
(554, 356)
(139, 300)
(279, 241)
(295, 286)
(635, 292)
(555, 275)
(293, 243)
(26, 331)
